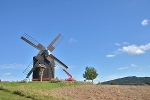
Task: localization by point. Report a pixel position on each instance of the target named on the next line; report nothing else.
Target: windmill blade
(58, 61)
(32, 42)
(30, 72)
(35, 66)
(30, 66)
(55, 42)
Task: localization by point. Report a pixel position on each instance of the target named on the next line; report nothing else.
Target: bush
(113, 83)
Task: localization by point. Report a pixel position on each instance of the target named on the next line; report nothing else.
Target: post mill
(43, 57)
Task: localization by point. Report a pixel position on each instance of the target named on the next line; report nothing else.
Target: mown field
(62, 91)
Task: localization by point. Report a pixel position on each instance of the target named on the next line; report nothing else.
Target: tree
(90, 73)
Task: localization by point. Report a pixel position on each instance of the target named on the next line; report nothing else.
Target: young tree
(90, 73)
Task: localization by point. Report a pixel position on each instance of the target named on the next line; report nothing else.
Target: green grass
(35, 85)
(31, 90)
(10, 96)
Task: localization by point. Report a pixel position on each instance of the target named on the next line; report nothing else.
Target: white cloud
(123, 68)
(145, 22)
(133, 65)
(131, 49)
(110, 55)
(8, 74)
(136, 66)
(135, 50)
(72, 40)
(125, 43)
(117, 44)
(13, 66)
(140, 68)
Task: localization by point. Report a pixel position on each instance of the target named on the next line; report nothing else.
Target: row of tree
(130, 80)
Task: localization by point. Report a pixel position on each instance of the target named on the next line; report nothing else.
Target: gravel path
(103, 92)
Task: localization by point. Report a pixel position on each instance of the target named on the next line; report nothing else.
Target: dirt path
(103, 92)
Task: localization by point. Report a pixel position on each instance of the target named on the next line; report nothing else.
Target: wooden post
(41, 73)
(42, 67)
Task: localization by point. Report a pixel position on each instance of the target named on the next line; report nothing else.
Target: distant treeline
(132, 80)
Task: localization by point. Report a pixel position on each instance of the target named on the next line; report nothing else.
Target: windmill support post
(41, 73)
(42, 68)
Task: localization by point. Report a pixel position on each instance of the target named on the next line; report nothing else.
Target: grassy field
(28, 91)
(76, 91)
(10, 96)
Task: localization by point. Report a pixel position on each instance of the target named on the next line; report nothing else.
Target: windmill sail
(55, 42)
(32, 69)
(58, 61)
(26, 71)
(32, 42)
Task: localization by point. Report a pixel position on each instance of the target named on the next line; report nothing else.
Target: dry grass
(103, 92)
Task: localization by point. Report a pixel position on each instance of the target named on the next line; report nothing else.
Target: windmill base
(44, 79)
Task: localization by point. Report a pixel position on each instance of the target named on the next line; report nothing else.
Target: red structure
(70, 76)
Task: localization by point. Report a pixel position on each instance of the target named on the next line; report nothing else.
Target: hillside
(132, 80)
(71, 91)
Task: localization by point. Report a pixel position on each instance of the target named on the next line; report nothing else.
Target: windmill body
(43, 57)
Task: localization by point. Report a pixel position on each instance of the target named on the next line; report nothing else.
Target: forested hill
(132, 80)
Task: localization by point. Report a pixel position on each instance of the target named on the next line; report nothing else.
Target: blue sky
(110, 35)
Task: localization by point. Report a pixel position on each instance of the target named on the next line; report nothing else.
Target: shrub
(113, 83)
